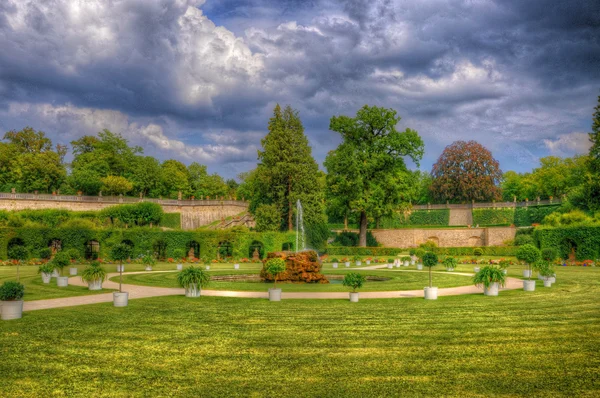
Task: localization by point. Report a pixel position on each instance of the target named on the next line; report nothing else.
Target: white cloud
(569, 144)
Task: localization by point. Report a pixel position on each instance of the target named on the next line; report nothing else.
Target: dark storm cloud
(528, 71)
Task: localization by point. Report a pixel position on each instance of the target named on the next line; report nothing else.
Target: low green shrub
(11, 291)
(93, 273)
(488, 275)
(170, 220)
(193, 276)
(583, 240)
(499, 216)
(45, 253)
(275, 267)
(478, 252)
(354, 280)
(416, 217)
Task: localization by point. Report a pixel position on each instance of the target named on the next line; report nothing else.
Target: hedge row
(493, 216)
(171, 220)
(364, 251)
(521, 216)
(416, 217)
(468, 251)
(525, 216)
(583, 240)
(446, 251)
(144, 240)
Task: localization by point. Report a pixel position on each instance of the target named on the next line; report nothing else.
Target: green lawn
(544, 343)
(399, 280)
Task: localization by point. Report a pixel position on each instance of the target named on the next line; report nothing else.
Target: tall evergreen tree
(595, 139)
(287, 171)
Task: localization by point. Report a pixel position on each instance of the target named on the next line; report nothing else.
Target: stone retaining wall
(444, 237)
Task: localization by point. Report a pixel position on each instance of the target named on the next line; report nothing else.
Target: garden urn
(12, 309)
(528, 286)
(491, 290)
(192, 290)
(120, 299)
(73, 271)
(62, 281)
(430, 293)
(354, 297)
(274, 294)
(390, 265)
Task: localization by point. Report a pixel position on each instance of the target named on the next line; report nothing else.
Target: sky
(197, 80)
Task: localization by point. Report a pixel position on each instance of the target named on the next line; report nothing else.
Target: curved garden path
(137, 292)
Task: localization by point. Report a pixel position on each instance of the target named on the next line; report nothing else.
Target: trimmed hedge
(521, 216)
(364, 251)
(493, 216)
(585, 240)
(144, 240)
(525, 216)
(350, 239)
(171, 220)
(416, 217)
(469, 251)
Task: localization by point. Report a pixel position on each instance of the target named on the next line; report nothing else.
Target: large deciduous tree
(367, 170)
(287, 171)
(466, 171)
(591, 187)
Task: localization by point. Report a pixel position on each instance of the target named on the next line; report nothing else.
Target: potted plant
(491, 278)
(546, 270)
(357, 260)
(46, 271)
(430, 260)
(60, 261)
(549, 255)
(236, 265)
(334, 262)
(390, 263)
(450, 263)
(18, 253)
(275, 266)
(94, 275)
(149, 261)
(419, 253)
(74, 256)
(530, 255)
(504, 264)
(120, 253)
(193, 279)
(11, 300)
(354, 280)
(179, 254)
(346, 262)
(369, 261)
(406, 260)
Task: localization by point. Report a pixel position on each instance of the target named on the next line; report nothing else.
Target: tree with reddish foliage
(466, 171)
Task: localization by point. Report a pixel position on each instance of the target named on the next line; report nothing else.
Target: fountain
(300, 241)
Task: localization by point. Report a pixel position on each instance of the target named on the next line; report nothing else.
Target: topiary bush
(549, 254)
(11, 291)
(61, 260)
(354, 280)
(430, 260)
(45, 253)
(478, 252)
(193, 276)
(275, 267)
(521, 240)
(488, 275)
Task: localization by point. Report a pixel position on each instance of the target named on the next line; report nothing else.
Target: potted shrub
(94, 275)
(149, 261)
(11, 300)
(369, 261)
(390, 263)
(549, 255)
(346, 262)
(193, 279)
(546, 270)
(530, 255)
(18, 253)
(120, 253)
(419, 253)
(491, 278)
(236, 265)
(74, 256)
(206, 262)
(478, 252)
(406, 261)
(450, 263)
(179, 254)
(430, 260)
(45, 253)
(354, 280)
(275, 266)
(503, 264)
(60, 261)
(334, 262)
(357, 260)
(46, 271)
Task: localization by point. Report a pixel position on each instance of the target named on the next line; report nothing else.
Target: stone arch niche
(225, 250)
(475, 241)
(15, 242)
(192, 248)
(434, 239)
(287, 247)
(256, 250)
(92, 250)
(568, 249)
(160, 249)
(55, 245)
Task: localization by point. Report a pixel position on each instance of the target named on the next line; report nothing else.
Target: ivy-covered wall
(144, 240)
(584, 241)
(416, 217)
(520, 217)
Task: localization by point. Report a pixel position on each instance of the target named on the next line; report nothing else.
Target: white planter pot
(368, 262)
(552, 279)
(274, 294)
(347, 263)
(390, 265)
(335, 265)
(192, 291)
(412, 262)
(476, 269)
(46, 277)
(62, 281)
(121, 268)
(354, 297)
(526, 273)
(148, 268)
(406, 263)
(207, 267)
(72, 271)
(95, 285)
(179, 267)
(430, 293)
(419, 266)
(120, 299)
(358, 263)
(492, 290)
(450, 269)
(55, 273)
(11, 310)
(547, 282)
(505, 271)
(528, 286)
(236, 266)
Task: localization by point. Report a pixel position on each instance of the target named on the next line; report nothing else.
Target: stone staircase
(461, 217)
